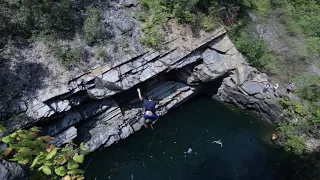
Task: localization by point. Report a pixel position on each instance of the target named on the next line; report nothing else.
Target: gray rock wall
(11, 171)
(100, 107)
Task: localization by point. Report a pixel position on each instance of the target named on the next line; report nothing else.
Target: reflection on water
(159, 154)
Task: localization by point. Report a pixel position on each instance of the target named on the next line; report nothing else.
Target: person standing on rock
(290, 87)
(150, 109)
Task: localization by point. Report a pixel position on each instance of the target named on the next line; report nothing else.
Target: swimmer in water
(189, 151)
(274, 137)
(218, 142)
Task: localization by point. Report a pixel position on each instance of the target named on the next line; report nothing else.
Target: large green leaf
(15, 159)
(26, 143)
(60, 160)
(52, 153)
(25, 134)
(25, 150)
(2, 128)
(72, 165)
(78, 158)
(82, 147)
(13, 135)
(49, 163)
(46, 170)
(35, 129)
(40, 143)
(46, 138)
(74, 172)
(66, 150)
(34, 162)
(7, 139)
(61, 171)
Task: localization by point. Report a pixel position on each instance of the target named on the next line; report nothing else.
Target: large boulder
(252, 87)
(11, 171)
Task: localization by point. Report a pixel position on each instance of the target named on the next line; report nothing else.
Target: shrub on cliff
(295, 145)
(185, 11)
(27, 148)
(91, 27)
(25, 18)
(255, 50)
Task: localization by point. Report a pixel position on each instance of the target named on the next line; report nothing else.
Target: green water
(158, 154)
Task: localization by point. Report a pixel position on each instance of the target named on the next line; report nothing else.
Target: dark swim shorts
(152, 117)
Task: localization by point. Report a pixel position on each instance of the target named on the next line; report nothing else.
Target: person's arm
(139, 94)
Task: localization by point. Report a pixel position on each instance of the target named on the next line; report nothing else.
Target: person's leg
(145, 123)
(154, 118)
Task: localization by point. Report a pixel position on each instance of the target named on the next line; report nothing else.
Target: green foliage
(181, 9)
(46, 170)
(142, 16)
(308, 88)
(60, 171)
(152, 35)
(2, 128)
(308, 117)
(26, 147)
(295, 145)
(160, 11)
(22, 18)
(208, 23)
(294, 107)
(52, 153)
(316, 119)
(288, 129)
(78, 158)
(313, 44)
(101, 53)
(261, 6)
(69, 56)
(310, 93)
(255, 50)
(91, 28)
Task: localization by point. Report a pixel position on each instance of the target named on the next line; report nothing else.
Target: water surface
(159, 154)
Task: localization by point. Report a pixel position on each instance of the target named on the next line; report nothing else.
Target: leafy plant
(295, 145)
(2, 128)
(152, 36)
(255, 50)
(101, 53)
(207, 23)
(69, 55)
(26, 147)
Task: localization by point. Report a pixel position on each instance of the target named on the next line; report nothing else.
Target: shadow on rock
(21, 80)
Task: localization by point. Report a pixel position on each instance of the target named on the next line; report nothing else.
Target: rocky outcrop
(100, 107)
(111, 128)
(245, 88)
(11, 171)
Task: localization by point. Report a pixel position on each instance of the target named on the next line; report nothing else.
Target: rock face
(11, 171)
(246, 89)
(101, 107)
